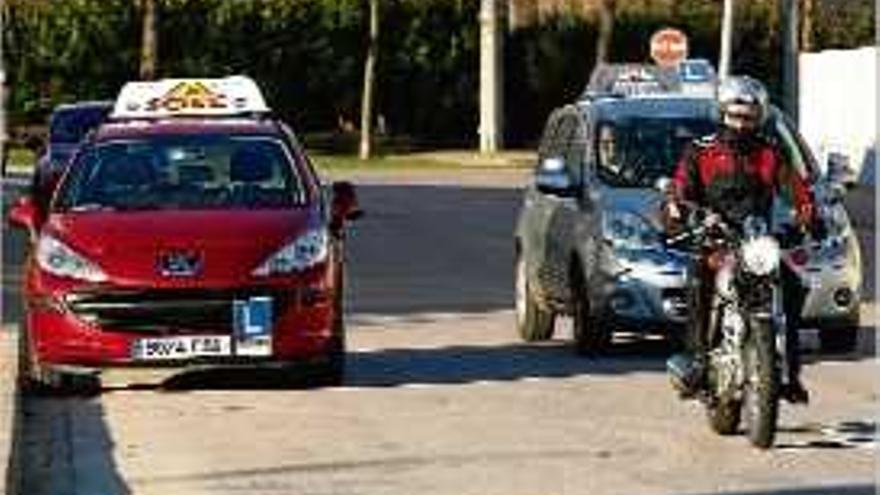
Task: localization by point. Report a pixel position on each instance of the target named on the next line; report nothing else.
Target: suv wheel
(590, 333)
(841, 337)
(533, 323)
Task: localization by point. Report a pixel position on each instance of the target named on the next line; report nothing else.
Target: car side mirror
(840, 172)
(553, 178)
(344, 204)
(24, 214)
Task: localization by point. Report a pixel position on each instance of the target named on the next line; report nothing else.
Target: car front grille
(165, 312)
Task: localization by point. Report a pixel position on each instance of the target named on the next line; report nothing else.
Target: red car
(190, 228)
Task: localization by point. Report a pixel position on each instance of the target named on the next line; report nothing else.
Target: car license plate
(183, 347)
(252, 326)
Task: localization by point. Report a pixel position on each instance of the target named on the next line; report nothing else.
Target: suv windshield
(70, 126)
(635, 152)
(182, 172)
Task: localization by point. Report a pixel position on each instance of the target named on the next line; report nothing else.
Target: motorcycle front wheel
(761, 387)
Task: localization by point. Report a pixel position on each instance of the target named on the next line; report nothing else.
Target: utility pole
(491, 77)
(726, 40)
(790, 34)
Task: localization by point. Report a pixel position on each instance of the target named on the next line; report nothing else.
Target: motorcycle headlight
(305, 252)
(59, 259)
(761, 255)
(629, 230)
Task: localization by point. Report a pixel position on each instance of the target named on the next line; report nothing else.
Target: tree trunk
(607, 12)
(366, 147)
(149, 40)
(808, 10)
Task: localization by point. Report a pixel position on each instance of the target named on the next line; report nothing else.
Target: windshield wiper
(85, 207)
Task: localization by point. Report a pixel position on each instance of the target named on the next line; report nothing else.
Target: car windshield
(635, 152)
(182, 172)
(70, 126)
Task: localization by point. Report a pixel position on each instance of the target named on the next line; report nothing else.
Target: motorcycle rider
(736, 172)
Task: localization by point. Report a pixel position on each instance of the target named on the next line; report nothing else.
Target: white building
(838, 106)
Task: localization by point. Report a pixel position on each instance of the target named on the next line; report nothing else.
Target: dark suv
(68, 125)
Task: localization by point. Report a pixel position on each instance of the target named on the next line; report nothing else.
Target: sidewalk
(8, 405)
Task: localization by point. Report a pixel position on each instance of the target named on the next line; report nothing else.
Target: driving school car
(189, 229)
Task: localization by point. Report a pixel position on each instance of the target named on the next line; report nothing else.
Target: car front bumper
(100, 327)
(833, 293)
(644, 290)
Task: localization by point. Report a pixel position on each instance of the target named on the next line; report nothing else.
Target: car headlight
(761, 255)
(305, 252)
(57, 258)
(628, 230)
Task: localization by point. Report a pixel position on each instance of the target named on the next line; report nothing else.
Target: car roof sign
(229, 96)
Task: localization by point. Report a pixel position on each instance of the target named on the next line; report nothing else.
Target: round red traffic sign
(669, 47)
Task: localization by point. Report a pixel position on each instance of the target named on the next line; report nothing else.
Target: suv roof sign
(632, 79)
(230, 96)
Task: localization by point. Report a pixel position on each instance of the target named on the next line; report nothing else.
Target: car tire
(591, 334)
(840, 338)
(533, 323)
(36, 380)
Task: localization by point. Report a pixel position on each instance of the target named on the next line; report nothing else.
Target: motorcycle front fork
(780, 326)
(738, 338)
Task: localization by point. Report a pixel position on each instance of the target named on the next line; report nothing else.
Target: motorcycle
(746, 359)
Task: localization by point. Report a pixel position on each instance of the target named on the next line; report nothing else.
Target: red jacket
(737, 178)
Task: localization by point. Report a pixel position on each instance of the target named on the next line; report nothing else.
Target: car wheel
(36, 380)
(840, 338)
(591, 334)
(533, 323)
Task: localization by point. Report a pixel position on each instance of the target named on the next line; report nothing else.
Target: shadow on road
(64, 447)
(440, 366)
(859, 489)
(470, 364)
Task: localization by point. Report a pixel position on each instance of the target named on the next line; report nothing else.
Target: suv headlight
(761, 255)
(305, 252)
(57, 258)
(629, 230)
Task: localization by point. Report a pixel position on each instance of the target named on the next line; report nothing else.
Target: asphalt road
(441, 398)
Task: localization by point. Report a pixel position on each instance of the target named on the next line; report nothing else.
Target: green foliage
(308, 54)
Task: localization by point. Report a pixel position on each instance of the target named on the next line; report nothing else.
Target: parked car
(588, 238)
(68, 126)
(203, 237)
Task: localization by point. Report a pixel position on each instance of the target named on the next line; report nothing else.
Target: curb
(9, 411)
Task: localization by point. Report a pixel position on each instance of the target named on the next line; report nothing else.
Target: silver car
(588, 238)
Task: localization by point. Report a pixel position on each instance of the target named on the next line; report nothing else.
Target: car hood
(230, 244)
(642, 201)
